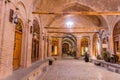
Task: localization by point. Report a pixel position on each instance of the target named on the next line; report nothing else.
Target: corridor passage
(78, 70)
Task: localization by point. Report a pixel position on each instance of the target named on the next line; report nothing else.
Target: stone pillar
(91, 47)
(111, 42)
(100, 46)
(26, 47)
(60, 47)
(45, 47)
(6, 41)
(78, 48)
(41, 46)
(50, 47)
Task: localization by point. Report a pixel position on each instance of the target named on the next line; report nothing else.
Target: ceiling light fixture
(69, 24)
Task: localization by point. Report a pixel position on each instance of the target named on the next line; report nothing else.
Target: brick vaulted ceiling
(74, 6)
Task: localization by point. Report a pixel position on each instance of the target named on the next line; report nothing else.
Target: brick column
(111, 42)
(50, 47)
(6, 41)
(91, 47)
(26, 54)
(42, 48)
(45, 47)
(78, 48)
(60, 47)
(100, 46)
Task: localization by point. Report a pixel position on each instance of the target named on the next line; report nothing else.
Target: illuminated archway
(54, 46)
(69, 46)
(84, 45)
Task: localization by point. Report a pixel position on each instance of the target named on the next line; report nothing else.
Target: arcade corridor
(33, 33)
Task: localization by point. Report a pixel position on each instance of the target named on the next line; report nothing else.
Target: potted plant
(51, 59)
(106, 56)
(99, 57)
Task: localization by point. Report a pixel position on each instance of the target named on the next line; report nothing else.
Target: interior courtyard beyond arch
(47, 39)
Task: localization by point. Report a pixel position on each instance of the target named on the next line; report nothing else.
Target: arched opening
(84, 45)
(69, 46)
(65, 48)
(17, 45)
(35, 41)
(116, 35)
(54, 46)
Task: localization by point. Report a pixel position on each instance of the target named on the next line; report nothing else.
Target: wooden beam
(70, 32)
(75, 28)
(78, 13)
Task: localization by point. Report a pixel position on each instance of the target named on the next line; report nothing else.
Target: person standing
(86, 57)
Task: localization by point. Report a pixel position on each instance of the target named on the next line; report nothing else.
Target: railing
(31, 73)
(110, 66)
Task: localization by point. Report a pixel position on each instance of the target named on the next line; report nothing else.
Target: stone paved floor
(78, 70)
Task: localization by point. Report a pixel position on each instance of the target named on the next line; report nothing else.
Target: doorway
(84, 45)
(17, 45)
(54, 46)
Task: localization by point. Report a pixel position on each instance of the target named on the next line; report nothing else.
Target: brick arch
(35, 55)
(116, 27)
(68, 6)
(36, 26)
(71, 41)
(22, 11)
(116, 39)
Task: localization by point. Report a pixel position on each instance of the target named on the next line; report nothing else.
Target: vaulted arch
(69, 45)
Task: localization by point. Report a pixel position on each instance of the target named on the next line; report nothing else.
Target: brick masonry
(26, 7)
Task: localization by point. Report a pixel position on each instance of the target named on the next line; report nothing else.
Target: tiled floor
(78, 70)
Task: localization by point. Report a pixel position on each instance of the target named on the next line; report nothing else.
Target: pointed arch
(22, 11)
(35, 41)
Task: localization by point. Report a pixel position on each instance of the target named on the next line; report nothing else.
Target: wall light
(15, 19)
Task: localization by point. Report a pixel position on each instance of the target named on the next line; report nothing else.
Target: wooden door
(17, 50)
